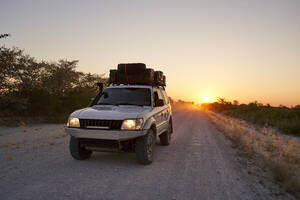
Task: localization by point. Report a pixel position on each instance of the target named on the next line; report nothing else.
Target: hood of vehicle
(110, 112)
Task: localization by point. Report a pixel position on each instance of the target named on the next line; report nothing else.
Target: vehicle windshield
(125, 96)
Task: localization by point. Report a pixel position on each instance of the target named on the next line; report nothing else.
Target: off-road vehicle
(126, 116)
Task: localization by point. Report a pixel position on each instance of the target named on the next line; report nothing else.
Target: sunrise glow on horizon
(206, 100)
(238, 50)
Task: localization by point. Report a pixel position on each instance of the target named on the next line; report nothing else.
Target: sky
(240, 50)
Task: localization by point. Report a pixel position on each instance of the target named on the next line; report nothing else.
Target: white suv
(122, 118)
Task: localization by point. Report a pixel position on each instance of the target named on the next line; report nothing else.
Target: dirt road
(199, 164)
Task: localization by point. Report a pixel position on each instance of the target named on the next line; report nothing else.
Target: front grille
(101, 124)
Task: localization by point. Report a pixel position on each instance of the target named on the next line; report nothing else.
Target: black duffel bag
(131, 68)
(149, 77)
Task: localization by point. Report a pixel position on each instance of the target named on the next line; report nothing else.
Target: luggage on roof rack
(162, 81)
(112, 76)
(136, 73)
(131, 68)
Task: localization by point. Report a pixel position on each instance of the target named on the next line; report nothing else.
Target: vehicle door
(158, 110)
(166, 112)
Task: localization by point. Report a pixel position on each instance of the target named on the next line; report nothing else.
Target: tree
(222, 101)
(37, 88)
(61, 77)
(19, 72)
(235, 102)
(297, 107)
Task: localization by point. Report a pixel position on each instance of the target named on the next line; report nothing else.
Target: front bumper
(104, 134)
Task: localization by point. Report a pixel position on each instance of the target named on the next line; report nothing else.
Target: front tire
(144, 148)
(165, 138)
(78, 152)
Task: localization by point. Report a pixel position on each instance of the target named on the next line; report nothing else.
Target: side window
(157, 95)
(165, 96)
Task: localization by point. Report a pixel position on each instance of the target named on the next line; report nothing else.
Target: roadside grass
(279, 153)
(285, 119)
(283, 174)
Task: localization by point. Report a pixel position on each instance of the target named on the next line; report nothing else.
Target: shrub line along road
(199, 164)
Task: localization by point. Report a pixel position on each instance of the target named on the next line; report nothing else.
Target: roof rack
(117, 84)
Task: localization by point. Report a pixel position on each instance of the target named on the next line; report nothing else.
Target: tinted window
(125, 96)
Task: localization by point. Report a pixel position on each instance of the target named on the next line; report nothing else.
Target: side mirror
(159, 102)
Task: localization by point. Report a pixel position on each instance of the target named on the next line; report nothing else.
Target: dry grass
(284, 174)
(281, 153)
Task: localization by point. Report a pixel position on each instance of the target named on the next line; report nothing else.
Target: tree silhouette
(29, 87)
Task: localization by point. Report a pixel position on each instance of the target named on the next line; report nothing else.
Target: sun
(206, 100)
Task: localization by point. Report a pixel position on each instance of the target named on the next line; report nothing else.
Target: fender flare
(149, 123)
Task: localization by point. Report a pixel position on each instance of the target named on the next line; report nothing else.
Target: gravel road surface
(199, 164)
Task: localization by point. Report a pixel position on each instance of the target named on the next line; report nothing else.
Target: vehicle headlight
(73, 122)
(132, 124)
